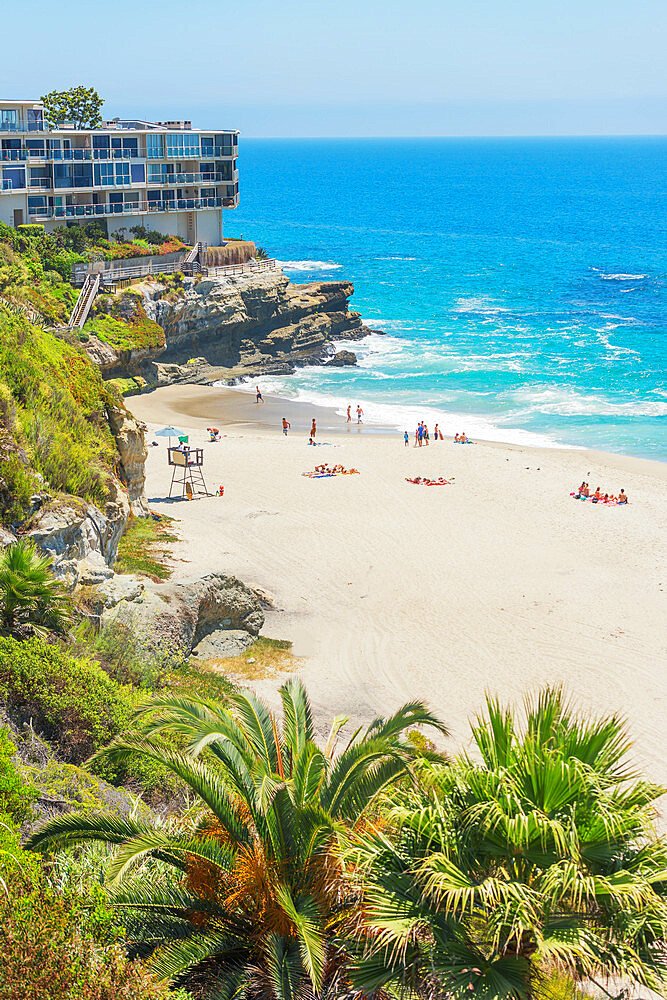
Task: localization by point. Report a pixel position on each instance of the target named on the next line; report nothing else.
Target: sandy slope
(391, 592)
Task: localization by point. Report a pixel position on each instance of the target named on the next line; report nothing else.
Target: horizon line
(463, 135)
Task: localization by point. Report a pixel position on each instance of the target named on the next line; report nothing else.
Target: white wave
(568, 402)
(308, 265)
(623, 277)
(395, 258)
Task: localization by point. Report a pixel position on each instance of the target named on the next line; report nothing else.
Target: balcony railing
(69, 154)
(138, 208)
(201, 178)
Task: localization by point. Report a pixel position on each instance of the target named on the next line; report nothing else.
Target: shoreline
(196, 407)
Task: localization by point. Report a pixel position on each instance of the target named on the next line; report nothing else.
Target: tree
(32, 601)
(252, 898)
(538, 856)
(79, 106)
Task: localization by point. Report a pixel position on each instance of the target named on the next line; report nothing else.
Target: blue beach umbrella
(169, 432)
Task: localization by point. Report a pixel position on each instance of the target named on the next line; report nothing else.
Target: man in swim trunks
(622, 497)
(258, 395)
(286, 426)
(360, 414)
(407, 439)
(420, 434)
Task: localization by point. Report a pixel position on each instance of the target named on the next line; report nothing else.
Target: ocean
(521, 283)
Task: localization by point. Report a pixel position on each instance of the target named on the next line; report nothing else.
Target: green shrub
(65, 946)
(73, 702)
(16, 795)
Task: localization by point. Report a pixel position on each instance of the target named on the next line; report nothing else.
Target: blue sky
(353, 67)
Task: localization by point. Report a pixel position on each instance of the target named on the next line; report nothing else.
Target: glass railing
(194, 178)
(140, 208)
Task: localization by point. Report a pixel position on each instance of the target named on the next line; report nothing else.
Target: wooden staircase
(84, 302)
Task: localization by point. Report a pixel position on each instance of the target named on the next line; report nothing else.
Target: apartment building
(162, 175)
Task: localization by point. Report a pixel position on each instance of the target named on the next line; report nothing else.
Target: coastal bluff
(233, 327)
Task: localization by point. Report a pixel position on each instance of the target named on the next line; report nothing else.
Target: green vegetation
(52, 419)
(73, 702)
(79, 106)
(16, 795)
(257, 884)
(541, 854)
(31, 599)
(134, 331)
(143, 548)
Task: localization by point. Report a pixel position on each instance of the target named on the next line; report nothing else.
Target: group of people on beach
(584, 493)
(329, 470)
(423, 437)
(360, 414)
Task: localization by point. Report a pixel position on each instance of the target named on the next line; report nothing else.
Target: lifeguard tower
(188, 471)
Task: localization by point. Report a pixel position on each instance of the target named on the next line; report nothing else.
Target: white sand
(501, 582)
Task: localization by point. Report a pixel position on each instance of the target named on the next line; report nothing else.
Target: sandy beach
(500, 582)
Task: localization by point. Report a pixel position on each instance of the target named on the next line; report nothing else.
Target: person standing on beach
(313, 430)
(349, 415)
(360, 414)
(258, 395)
(407, 439)
(435, 433)
(420, 434)
(425, 434)
(286, 426)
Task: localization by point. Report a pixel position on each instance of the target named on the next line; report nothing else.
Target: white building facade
(165, 175)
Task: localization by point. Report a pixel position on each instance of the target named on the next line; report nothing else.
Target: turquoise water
(522, 283)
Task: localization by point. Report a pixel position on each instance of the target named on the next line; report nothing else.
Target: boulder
(173, 618)
(342, 359)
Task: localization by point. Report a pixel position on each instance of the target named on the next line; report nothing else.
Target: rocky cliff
(244, 325)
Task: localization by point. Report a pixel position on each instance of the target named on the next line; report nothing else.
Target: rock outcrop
(81, 539)
(130, 437)
(173, 618)
(242, 325)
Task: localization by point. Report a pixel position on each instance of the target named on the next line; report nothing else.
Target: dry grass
(144, 548)
(265, 658)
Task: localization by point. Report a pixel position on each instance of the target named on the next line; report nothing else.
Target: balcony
(42, 212)
(201, 178)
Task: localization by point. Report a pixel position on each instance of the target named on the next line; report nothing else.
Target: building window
(35, 119)
(13, 177)
(183, 145)
(8, 120)
(207, 145)
(154, 145)
(104, 174)
(137, 173)
(122, 173)
(207, 192)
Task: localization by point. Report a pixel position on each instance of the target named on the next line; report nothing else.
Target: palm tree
(32, 601)
(536, 855)
(252, 899)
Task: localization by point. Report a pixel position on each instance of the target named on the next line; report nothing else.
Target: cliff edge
(242, 325)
